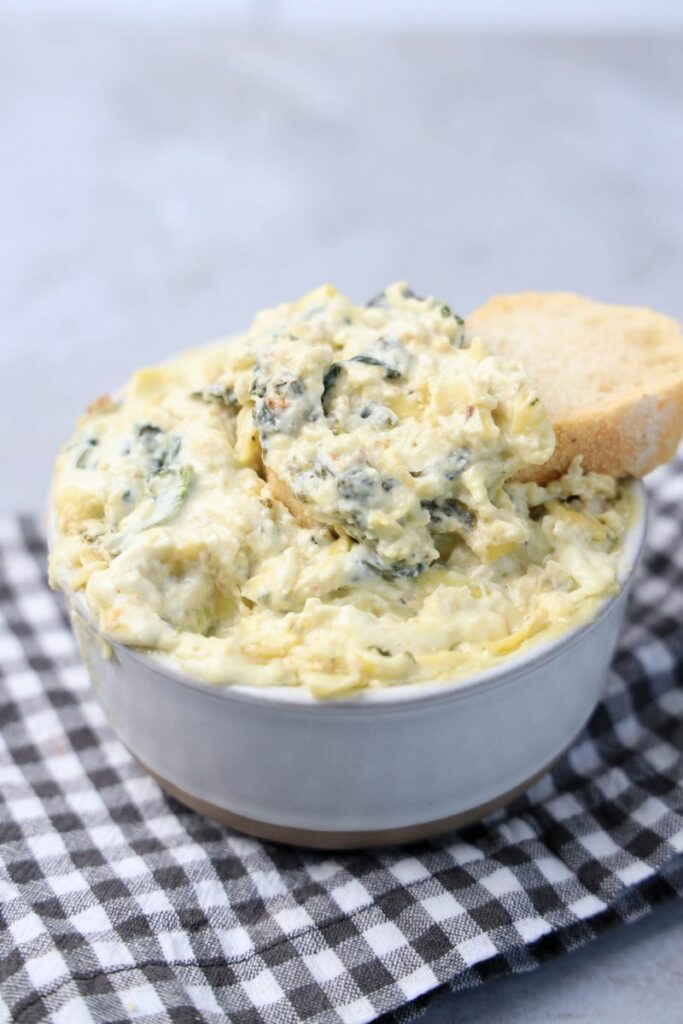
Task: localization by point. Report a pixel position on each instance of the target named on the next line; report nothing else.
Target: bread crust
(631, 432)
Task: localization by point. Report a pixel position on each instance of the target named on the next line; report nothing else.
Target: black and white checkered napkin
(119, 905)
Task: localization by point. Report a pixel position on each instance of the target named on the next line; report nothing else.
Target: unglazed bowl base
(327, 840)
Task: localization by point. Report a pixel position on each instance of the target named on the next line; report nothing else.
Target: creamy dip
(413, 553)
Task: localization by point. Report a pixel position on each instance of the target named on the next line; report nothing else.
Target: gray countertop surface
(162, 181)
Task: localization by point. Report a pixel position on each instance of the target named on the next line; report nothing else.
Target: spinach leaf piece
(169, 489)
(356, 484)
(161, 448)
(218, 393)
(456, 463)
(389, 355)
(448, 514)
(329, 381)
(389, 372)
(393, 571)
(84, 451)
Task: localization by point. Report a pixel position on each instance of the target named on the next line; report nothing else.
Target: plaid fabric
(119, 905)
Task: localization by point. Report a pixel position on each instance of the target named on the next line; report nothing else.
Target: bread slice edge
(630, 436)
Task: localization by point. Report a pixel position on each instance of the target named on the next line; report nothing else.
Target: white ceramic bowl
(384, 766)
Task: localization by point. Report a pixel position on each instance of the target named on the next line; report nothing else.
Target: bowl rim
(407, 695)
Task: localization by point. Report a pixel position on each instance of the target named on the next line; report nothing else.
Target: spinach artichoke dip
(331, 501)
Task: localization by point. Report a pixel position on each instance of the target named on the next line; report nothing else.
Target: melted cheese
(418, 557)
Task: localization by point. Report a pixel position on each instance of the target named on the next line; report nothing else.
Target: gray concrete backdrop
(161, 181)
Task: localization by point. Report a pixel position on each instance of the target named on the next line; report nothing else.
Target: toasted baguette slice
(611, 377)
